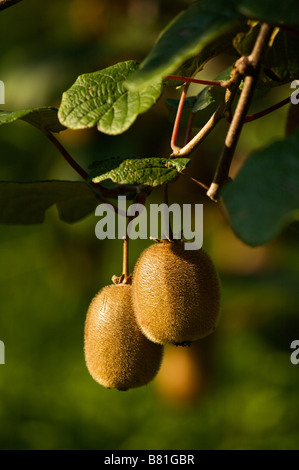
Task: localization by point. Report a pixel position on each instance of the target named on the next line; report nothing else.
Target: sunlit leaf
(147, 171)
(101, 100)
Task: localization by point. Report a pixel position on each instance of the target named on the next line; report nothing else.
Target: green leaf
(264, 198)
(26, 203)
(285, 12)
(205, 29)
(42, 118)
(211, 94)
(100, 99)
(148, 171)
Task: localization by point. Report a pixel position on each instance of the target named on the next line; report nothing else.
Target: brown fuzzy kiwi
(176, 293)
(117, 354)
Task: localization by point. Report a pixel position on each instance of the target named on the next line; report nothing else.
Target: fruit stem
(125, 272)
(169, 233)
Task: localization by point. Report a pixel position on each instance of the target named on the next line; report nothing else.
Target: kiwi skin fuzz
(176, 293)
(117, 354)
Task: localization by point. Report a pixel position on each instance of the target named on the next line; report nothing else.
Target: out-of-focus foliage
(237, 389)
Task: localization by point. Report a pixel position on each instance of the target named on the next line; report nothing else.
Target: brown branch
(7, 3)
(249, 66)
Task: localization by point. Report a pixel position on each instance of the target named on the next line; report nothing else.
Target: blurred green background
(236, 389)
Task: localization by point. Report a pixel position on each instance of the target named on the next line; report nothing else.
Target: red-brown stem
(108, 192)
(178, 119)
(66, 155)
(266, 111)
(195, 80)
(81, 172)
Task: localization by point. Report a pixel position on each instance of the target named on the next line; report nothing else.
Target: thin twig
(249, 66)
(199, 183)
(8, 3)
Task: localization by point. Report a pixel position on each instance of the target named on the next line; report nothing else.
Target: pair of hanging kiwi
(173, 297)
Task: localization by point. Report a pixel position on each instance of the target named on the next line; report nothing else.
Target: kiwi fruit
(117, 354)
(176, 293)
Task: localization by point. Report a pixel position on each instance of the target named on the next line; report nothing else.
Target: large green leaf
(264, 197)
(280, 13)
(205, 29)
(147, 171)
(101, 99)
(42, 118)
(26, 203)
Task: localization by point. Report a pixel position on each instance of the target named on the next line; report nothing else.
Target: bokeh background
(236, 389)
